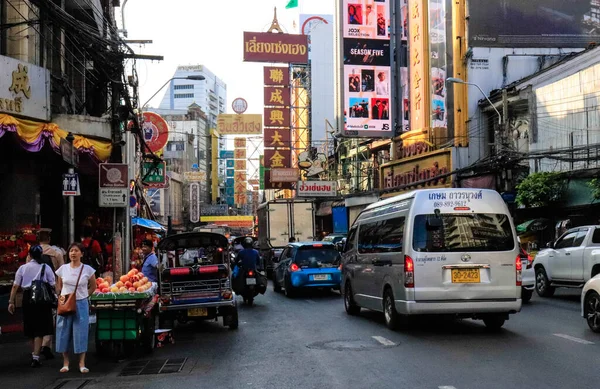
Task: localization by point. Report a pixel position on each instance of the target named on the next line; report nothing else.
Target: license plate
(321, 277)
(196, 312)
(250, 281)
(465, 276)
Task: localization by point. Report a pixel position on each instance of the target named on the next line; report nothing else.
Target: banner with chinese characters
(277, 117)
(240, 183)
(277, 137)
(240, 194)
(239, 153)
(276, 96)
(276, 76)
(276, 158)
(367, 90)
(240, 164)
(239, 143)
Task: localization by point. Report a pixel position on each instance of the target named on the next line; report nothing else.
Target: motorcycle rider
(248, 258)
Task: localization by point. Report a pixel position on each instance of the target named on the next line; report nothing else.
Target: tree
(540, 189)
(594, 185)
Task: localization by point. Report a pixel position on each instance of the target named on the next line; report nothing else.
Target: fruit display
(132, 282)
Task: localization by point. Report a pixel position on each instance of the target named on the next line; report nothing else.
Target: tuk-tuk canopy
(193, 240)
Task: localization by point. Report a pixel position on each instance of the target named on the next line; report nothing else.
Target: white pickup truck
(569, 262)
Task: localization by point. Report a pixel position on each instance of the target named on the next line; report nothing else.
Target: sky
(207, 32)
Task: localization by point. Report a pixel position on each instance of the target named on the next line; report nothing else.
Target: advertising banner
(437, 43)
(230, 163)
(24, 89)
(284, 175)
(276, 76)
(155, 130)
(269, 47)
(275, 185)
(239, 153)
(194, 176)
(236, 124)
(277, 96)
(533, 23)
(316, 189)
(230, 173)
(405, 173)
(275, 137)
(214, 210)
(277, 117)
(239, 143)
(278, 158)
(240, 164)
(194, 203)
(226, 154)
(231, 221)
(419, 65)
(367, 74)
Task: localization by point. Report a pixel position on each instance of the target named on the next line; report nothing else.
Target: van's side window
(385, 236)
(351, 240)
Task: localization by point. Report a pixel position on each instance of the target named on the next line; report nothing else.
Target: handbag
(42, 293)
(67, 304)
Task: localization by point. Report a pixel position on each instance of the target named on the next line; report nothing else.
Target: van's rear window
(463, 232)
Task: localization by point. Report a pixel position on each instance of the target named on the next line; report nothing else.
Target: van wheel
(349, 303)
(542, 284)
(393, 320)
(526, 295)
(494, 323)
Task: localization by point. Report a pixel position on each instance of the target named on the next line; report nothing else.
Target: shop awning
(533, 225)
(145, 223)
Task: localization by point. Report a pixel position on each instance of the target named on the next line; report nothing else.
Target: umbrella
(145, 223)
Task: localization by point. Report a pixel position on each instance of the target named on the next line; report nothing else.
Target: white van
(434, 251)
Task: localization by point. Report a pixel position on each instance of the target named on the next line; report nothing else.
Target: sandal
(65, 369)
(84, 370)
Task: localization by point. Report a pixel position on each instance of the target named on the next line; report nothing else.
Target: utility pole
(504, 138)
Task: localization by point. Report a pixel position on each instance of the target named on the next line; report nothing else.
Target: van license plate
(197, 312)
(465, 276)
(250, 281)
(321, 277)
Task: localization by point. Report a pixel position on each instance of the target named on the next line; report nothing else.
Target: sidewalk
(9, 324)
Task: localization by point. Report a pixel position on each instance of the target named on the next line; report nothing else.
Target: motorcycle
(250, 288)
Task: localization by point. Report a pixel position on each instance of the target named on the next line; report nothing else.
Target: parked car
(590, 303)
(307, 265)
(434, 252)
(334, 238)
(527, 275)
(270, 258)
(569, 262)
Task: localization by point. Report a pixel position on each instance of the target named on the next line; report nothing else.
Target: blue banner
(230, 163)
(230, 191)
(230, 173)
(231, 201)
(226, 154)
(230, 182)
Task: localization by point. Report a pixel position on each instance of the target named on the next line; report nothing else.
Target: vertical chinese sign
(240, 179)
(419, 80)
(366, 97)
(277, 133)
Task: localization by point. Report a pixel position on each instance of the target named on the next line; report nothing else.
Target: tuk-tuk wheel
(232, 319)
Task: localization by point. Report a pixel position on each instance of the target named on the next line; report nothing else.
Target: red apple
(105, 290)
(128, 284)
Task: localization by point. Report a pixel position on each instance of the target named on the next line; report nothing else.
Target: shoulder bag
(67, 304)
(42, 293)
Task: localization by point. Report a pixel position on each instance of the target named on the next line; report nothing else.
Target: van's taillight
(519, 269)
(294, 267)
(409, 272)
(529, 261)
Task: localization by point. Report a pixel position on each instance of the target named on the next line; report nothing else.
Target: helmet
(247, 242)
(36, 252)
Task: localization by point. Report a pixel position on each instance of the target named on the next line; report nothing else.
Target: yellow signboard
(420, 79)
(239, 124)
(427, 171)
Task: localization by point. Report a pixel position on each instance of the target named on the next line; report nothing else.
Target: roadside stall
(126, 314)
(14, 248)
(143, 229)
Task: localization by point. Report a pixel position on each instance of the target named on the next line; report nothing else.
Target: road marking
(384, 341)
(446, 387)
(311, 301)
(574, 339)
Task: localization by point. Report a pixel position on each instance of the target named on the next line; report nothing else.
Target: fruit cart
(125, 322)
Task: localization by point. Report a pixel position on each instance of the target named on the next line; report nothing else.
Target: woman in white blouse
(73, 330)
(37, 318)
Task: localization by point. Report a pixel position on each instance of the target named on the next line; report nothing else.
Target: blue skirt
(72, 331)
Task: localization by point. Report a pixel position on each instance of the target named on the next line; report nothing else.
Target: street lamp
(454, 80)
(195, 78)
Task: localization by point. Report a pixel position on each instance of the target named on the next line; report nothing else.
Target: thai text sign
(429, 171)
(284, 175)
(316, 189)
(277, 117)
(244, 124)
(277, 96)
(231, 221)
(226, 154)
(269, 47)
(24, 89)
(194, 176)
(276, 76)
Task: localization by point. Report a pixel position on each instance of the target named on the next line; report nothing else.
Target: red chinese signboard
(270, 47)
(277, 117)
(276, 76)
(278, 158)
(277, 137)
(277, 96)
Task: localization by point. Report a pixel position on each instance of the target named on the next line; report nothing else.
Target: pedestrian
(37, 318)
(73, 330)
(150, 265)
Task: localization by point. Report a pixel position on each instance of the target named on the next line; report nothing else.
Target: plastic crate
(116, 325)
(117, 334)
